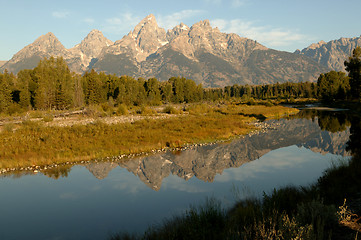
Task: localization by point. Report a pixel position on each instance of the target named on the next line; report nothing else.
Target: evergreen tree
(353, 67)
(178, 89)
(26, 87)
(333, 85)
(64, 94)
(55, 87)
(167, 92)
(5, 92)
(190, 91)
(93, 88)
(78, 99)
(152, 89)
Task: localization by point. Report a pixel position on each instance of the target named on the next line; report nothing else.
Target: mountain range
(332, 54)
(199, 52)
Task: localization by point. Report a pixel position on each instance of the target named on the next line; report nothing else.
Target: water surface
(92, 200)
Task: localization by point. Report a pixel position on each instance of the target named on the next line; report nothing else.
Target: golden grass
(34, 144)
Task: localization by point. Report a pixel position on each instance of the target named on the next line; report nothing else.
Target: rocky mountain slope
(203, 54)
(332, 54)
(199, 52)
(78, 57)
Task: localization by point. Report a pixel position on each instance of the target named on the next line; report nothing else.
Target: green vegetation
(353, 67)
(33, 143)
(332, 86)
(335, 86)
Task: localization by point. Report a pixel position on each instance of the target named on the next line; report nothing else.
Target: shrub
(171, 110)
(321, 217)
(122, 109)
(94, 111)
(48, 118)
(146, 111)
(204, 222)
(199, 108)
(106, 108)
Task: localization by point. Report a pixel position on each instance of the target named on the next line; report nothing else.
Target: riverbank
(34, 144)
(328, 209)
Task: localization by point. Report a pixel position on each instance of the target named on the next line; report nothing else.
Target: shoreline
(172, 132)
(261, 127)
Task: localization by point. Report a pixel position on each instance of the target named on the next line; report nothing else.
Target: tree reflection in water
(56, 173)
(354, 143)
(332, 121)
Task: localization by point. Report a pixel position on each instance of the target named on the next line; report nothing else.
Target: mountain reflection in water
(207, 161)
(68, 202)
(320, 131)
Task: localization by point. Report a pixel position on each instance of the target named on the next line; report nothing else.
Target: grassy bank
(314, 212)
(39, 143)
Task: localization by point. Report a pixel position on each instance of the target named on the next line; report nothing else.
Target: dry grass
(33, 143)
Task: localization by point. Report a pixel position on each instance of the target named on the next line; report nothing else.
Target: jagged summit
(331, 54)
(44, 42)
(93, 43)
(317, 45)
(44, 46)
(89, 49)
(205, 24)
(177, 30)
(200, 52)
(145, 39)
(148, 23)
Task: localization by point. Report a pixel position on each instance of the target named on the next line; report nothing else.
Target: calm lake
(93, 200)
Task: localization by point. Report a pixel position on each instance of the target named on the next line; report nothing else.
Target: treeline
(272, 91)
(51, 85)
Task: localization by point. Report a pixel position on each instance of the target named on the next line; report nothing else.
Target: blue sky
(280, 24)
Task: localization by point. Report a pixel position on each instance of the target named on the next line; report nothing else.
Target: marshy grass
(34, 143)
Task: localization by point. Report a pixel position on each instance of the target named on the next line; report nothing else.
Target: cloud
(238, 3)
(170, 21)
(121, 24)
(125, 22)
(89, 20)
(69, 196)
(232, 3)
(216, 2)
(179, 184)
(60, 14)
(267, 35)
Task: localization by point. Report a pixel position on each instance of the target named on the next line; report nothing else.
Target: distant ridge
(199, 52)
(332, 54)
(2, 63)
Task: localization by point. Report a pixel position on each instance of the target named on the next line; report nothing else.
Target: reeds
(286, 213)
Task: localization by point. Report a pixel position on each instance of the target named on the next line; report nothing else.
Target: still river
(93, 200)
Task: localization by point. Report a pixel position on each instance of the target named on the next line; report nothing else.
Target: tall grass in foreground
(287, 213)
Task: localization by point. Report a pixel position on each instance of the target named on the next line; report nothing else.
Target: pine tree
(25, 84)
(152, 89)
(5, 92)
(353, 67)
(93, 88)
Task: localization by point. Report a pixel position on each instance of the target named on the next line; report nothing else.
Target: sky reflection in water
(82, 206)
